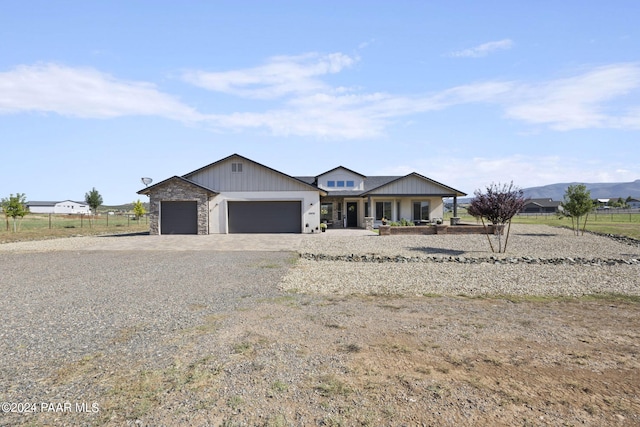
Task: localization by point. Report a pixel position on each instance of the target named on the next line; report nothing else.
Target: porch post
(369, 205)
(455, 206)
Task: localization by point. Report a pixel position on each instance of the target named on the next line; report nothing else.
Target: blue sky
(101, 93)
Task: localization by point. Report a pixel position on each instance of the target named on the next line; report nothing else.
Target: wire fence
(603, 215)
(58, 221)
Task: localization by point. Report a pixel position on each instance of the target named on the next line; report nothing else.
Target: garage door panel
(265, 217)
(179, 217)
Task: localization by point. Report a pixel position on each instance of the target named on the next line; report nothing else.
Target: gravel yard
(448, 265)
(140, 330)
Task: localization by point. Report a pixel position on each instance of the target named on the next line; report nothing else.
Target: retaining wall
(388, 230)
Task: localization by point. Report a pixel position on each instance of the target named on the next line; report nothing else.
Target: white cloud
(302, 103)
(578, 102)
(280, 76)
(524, 171)
(483, 49)
(84, 92)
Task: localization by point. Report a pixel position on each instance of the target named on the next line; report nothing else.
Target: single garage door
(265, 217)
(178, 218)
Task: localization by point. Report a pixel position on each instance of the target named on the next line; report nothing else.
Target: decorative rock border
(471, 260)
(618, 238)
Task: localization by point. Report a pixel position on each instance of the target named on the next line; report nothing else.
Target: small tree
(498, 206)
(15, 206)
(138, 209)
(577, 204)
(93, 199)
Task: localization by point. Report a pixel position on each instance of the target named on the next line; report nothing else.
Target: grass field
(43, 226)
(620, 223)
(39, 227)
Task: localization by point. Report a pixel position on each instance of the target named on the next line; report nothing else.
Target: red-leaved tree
(498, 205)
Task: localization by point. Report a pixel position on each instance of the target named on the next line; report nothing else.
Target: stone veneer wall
(178, 191)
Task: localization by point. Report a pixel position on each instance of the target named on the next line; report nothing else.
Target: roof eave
(146, 191)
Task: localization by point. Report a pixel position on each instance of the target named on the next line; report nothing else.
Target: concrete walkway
(211, 242)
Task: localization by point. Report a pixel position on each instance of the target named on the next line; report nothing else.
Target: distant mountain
(127, 207)
(602, 190)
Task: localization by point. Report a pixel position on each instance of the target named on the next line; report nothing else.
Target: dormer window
(236, 167)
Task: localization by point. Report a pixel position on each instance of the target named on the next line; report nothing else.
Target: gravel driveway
(60, 308)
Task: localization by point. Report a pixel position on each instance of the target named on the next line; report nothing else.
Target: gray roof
(37, 203)
(373, 182)
(370, 182)
(542, 202)
(311, 180)
(40, 203)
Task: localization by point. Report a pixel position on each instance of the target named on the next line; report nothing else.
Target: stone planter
(388, 230)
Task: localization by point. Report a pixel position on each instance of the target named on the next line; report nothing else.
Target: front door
(352, 214)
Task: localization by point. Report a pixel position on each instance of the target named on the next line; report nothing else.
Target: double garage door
(244, 217)
(265, 217)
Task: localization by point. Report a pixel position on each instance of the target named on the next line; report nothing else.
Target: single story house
(541, 206)
(64, 207)
(633, 203)
(239, 195)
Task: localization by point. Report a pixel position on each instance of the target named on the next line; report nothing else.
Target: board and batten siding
(253, 178)
(412, 185)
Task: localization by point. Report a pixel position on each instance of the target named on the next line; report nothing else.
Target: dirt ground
(430, 361)
(381, 361)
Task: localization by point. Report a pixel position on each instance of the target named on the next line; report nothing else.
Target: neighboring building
(238, 195)
(633, 203)
(541, 206)
(65, 207)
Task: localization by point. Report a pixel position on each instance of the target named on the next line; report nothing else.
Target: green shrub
(402, 223)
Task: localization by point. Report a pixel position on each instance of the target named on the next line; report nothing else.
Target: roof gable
(226, 175)
(414, 184)
(338, 169)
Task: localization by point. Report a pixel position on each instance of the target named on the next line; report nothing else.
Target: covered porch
(370, 211)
